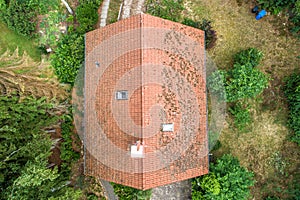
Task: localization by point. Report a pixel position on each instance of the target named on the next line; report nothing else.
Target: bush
(241, 116)
(87, 15)
(292, 93)
(166, 9)
(129, 193)
(276, 6)
(245, 82)
(68, 57)
(250, 56)
(205, 25)
(20, 16)
(241, 82)
(226, 180)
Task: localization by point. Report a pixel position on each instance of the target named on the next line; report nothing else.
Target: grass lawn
(9, 40)
(265, 148)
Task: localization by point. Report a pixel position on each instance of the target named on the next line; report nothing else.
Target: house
(145, 112)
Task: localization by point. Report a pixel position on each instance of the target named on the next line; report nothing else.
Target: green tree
(25, 148)
(227, 180)
(87, 15)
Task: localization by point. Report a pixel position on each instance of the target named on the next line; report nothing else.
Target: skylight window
(168, 127)
(122, 95)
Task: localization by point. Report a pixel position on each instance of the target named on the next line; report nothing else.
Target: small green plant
(129, 193)
(278, 162)
(241, 115)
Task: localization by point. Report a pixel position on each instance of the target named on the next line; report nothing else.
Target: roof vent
(137, 150)
(122, 95)
(168, 127)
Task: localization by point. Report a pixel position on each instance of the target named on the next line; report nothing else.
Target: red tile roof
(161, 66)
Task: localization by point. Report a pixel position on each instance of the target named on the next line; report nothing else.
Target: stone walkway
(176, 191)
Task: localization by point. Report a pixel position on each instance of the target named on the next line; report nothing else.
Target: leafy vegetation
(129, 193)
(251, 56)
(292, 93)
(243, 81)
(67, 154)
(166, 9)
(87, 15)
(241, 115)
(19, 16)
(276, 6)
(68, 57)
(226, 180)
(25, 149)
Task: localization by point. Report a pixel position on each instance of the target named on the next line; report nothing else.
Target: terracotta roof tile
(161, 66)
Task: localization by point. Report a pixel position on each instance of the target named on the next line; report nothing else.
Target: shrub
(125, 192)
(250, 56)
(241, 116)
(292, 93)
(205, 25)
(241, 82)
(276, 6)
(206, 184)
(227, 180)
(87, 15)
(166, 9)
(19, 16)
(245, 82)
(68, 57)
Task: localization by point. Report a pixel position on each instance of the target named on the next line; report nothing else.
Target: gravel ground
(175, 191)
